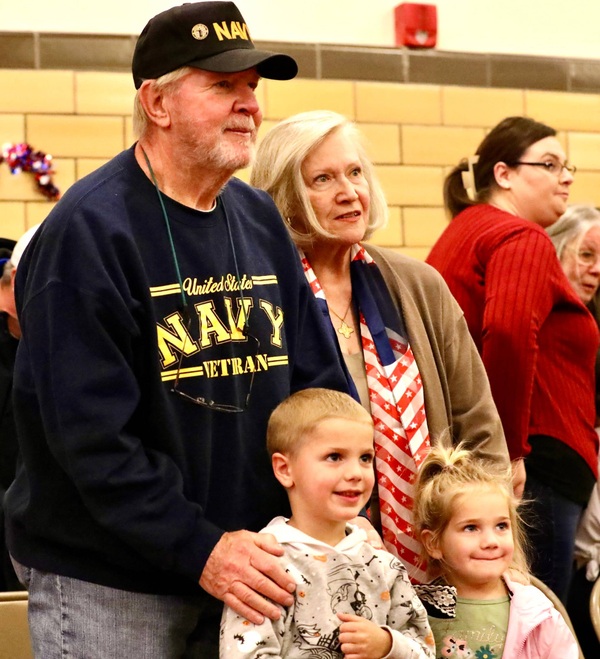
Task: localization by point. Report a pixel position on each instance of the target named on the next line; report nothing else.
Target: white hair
(278, 170)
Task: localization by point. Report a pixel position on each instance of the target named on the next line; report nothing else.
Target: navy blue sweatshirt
(125, 483)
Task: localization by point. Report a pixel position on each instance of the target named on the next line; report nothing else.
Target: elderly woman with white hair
(576, 237)
(401, 334)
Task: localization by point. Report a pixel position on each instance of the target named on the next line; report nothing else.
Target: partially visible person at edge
(9, 340)
(163, 319)
(403, 338)
(576, 237)
(537, 340)
(10, 333)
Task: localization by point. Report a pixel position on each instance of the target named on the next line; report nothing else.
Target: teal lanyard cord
(164, 210)
(173, 251)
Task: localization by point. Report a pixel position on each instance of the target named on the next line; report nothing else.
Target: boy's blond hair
(449, 471)
(298, 415)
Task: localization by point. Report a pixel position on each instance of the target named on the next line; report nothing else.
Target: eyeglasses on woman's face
(586, 257)
(551, 165)
(581, 264)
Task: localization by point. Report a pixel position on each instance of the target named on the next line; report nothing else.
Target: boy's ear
(282, 470)
(430, 546)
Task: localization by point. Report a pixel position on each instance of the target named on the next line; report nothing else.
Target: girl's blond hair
(449, 471)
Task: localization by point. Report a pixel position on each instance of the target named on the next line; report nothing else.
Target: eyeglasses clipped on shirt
(554, 167)
(254, 345)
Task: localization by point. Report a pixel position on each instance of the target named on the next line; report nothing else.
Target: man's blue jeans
(82, 620)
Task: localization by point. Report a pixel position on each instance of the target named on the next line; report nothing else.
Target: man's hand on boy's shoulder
(244, 572)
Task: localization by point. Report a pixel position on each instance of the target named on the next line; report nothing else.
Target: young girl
(466, 517)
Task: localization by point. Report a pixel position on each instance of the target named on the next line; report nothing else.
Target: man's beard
(226, 155)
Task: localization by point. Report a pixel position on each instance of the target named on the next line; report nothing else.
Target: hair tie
(468, 178)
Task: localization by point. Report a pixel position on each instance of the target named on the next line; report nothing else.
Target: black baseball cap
(7, 244)
(6, 247)
(206, 35)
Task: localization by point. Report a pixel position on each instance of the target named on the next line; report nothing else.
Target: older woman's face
(337, 189)
(539, 195)
(581, 263)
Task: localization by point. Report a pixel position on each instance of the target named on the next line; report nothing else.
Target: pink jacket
(536, 630)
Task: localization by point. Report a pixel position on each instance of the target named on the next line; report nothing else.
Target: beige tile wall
(414, 133)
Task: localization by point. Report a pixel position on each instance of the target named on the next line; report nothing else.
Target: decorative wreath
(22, 158)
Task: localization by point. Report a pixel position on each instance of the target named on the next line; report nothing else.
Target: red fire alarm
(416, 25)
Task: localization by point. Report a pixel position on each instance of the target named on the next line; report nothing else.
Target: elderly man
(163, 318)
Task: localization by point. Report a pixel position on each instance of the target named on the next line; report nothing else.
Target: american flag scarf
(397, 403)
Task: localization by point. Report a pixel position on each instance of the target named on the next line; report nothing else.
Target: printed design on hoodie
(352, 578)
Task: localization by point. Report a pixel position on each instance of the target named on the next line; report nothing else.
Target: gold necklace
(344, 329)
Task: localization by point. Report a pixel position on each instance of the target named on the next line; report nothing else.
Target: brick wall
(414, 133)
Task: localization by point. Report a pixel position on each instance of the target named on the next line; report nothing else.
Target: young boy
(351, 599)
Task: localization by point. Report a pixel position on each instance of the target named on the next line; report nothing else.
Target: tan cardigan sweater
(457, 392)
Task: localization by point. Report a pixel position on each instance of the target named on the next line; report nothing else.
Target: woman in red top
(537, 339)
